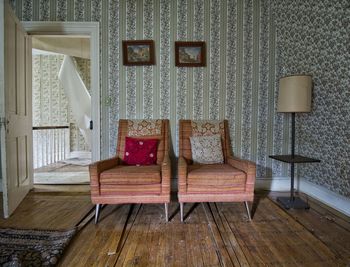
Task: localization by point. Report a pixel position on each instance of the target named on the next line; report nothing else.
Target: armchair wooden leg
(97, 212)
(248, 211)
(166, 212)
(182, 211)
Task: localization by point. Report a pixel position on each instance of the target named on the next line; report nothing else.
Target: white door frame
(79, 28)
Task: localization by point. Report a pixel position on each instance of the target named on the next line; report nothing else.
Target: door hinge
(91, 125)
(3, 122)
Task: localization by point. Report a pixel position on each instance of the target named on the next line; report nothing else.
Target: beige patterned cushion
(144, 127)
(207, 149)
(207, 127)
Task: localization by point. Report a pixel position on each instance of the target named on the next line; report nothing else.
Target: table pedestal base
(297, 203)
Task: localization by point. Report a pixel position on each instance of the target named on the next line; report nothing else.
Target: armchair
(114, 182)
(231, 181)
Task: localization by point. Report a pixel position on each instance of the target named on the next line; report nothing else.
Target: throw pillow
(207, 149)
(140, 151)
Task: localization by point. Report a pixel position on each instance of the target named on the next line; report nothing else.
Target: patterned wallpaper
(83, 67)
(50, 104)
(313, 37)
(250, 44)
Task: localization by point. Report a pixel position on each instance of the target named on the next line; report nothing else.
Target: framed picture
(190, 54)
(138, 52)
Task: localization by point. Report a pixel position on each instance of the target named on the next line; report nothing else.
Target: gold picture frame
(190, 54)
(138, 52)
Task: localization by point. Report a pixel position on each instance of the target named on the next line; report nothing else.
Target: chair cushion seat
(215, 178)
(131, 175)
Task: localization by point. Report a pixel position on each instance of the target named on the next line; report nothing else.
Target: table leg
(292, 202)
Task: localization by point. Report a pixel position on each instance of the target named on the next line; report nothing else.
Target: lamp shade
(295, 94)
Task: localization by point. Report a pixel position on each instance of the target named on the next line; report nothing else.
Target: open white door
(15, 110)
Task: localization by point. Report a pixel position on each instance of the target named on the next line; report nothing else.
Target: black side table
(292, 201)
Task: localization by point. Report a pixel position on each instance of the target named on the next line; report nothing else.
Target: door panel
(21, 71)
(12, 162)
(18, 174)
(10, 67)
(22, 161)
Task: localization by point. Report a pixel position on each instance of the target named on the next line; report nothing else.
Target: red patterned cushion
(140, 151)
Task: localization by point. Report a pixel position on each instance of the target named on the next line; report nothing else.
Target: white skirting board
(322, 194)
(273, 184)
(336, 201)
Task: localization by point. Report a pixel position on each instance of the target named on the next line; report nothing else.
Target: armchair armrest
(97, 167)
(166, 174)
(182, 175)
(246, 166)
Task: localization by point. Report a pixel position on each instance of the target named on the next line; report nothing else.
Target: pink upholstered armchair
(231, 181)
(113, 182)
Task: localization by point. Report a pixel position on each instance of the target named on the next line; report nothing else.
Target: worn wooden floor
(48, 211)
(212, 235)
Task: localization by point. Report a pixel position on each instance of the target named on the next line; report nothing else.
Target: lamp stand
(293, 134)
(294, 95)
(292, 201)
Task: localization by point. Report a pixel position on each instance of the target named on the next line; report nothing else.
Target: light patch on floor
(77, 161)
(61, 178)
(71, 171)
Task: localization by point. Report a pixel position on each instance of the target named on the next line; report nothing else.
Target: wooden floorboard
(213, 234)
(326, 224)
(49, 211)
(221, 237)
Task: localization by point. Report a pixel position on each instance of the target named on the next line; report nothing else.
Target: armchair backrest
(163, 137)
(185, 132)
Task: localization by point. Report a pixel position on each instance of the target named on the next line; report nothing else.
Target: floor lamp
(294, 96)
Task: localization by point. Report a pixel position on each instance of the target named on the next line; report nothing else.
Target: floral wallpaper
(83, 68)
(250, 44)
(50, 104)
(313, 37)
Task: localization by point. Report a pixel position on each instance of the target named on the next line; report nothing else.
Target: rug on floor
(20, 247)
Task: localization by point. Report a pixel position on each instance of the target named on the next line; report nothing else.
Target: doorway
(77, 158)
(61, 89)
(16, 154)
